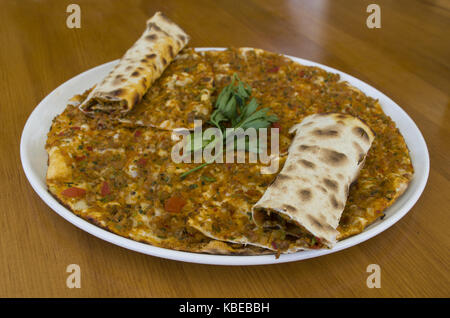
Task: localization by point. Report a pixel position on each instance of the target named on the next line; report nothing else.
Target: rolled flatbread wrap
(308, 196)
(136, 71)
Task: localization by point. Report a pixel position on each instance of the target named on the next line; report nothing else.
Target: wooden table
(407, 59)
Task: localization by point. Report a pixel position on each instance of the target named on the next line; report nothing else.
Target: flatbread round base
(120, 176)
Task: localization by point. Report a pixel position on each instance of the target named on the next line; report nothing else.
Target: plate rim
(236, 260)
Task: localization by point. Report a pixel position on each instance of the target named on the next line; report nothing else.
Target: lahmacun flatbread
(117, 171)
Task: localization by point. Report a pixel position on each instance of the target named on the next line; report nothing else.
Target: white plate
(34, 162)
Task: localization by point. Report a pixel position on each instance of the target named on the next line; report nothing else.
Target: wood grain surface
(407, 59)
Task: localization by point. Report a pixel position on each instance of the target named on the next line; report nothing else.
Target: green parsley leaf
(232, 107)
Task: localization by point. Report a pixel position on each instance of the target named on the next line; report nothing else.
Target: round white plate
(34, 162)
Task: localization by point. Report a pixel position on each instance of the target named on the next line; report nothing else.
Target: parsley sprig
(233, 109)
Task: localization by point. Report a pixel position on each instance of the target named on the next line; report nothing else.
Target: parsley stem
(185, 174)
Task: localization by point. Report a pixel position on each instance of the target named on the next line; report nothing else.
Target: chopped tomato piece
(80, 158)
(138, 133)
(276, 125)
(105, 189)
(174, 204)
(273, 69)
(89, 148)
(73, 192)
(75, 128)
(142, 162)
